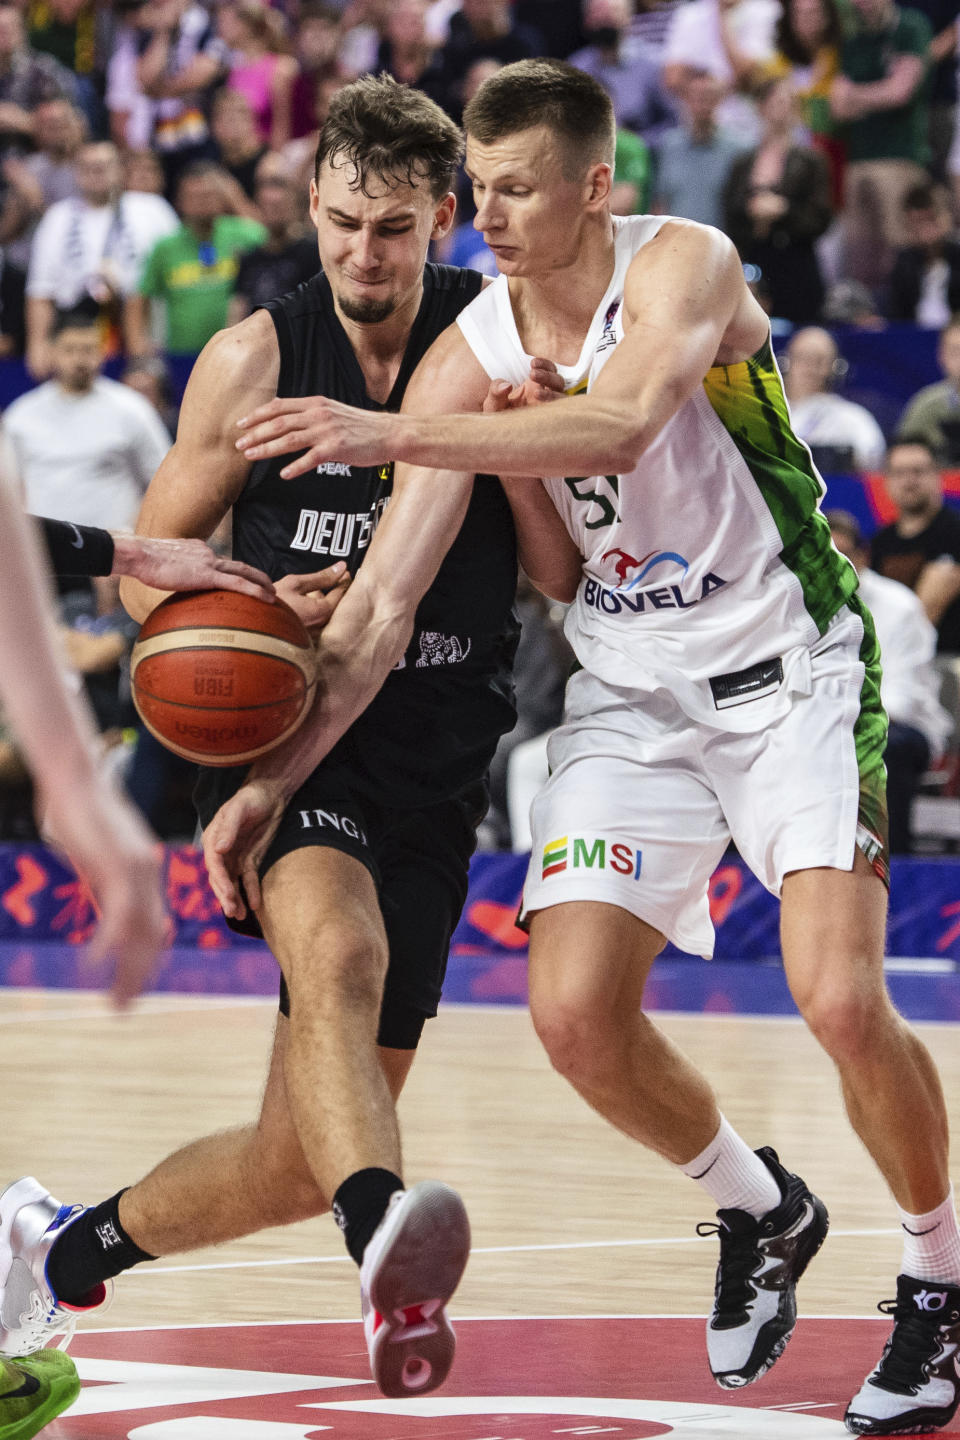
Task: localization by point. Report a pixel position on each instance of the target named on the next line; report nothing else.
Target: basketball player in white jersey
(729, 688)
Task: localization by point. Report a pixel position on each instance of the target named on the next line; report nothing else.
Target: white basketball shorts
(642, 801)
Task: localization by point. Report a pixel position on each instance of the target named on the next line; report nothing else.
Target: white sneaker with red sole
(410, 1269)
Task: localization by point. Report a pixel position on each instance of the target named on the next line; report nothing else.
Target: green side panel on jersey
(748, 398)
(870, 731)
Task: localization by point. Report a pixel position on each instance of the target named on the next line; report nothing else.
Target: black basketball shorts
(418, 859)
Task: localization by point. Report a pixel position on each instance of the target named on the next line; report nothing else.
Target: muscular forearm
(581, 435)
(547, 553)
(362, 643)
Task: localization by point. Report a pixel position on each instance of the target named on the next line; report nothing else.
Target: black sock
(92, 1249)
(361, 1203)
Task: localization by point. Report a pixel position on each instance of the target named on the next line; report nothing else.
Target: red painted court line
(627, 1378)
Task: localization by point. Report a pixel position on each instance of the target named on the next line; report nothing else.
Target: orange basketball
(221, 678)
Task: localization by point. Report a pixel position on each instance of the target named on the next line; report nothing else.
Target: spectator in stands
(85, 448)
(262, 68)
(180, 58)
(694, 158)
(148, 376)
(880, 102)
(910, 686)
(287, 257)
(925, 280)
(850, 302)
(922, 547)
(142, 171)
(194, 270)
(41, 179)
(558, 22)
(808, 37)
(776, 204)
(632, 175)
(841, 434)
(317, 41)
(90, 250)
(482, 30)
(131, 113)
(72, 32)
(934, 412)
(727, 38)
(59, 130)
(626, 69)
(407, 52)
(942, 79)
(27, 78)
(238, 146)
(540, 671)
(299, 154)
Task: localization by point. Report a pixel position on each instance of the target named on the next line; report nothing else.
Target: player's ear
(443, 216)
(598, 184)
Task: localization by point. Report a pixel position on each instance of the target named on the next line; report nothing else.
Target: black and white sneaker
(755, 1304)
(916, 1387)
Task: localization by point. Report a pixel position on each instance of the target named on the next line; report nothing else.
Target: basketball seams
(144, 694)
(198, 637)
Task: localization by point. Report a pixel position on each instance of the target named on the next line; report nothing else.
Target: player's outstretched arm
(365, 637)
(203, 473)
(164, 564)
(102, 834)
(687, 306)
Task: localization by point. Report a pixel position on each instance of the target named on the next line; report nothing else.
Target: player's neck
(554, 310)
(380, 347)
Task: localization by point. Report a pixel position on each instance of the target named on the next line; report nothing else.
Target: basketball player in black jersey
(366, 875)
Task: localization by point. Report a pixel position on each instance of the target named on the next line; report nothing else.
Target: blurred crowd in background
(155, 159)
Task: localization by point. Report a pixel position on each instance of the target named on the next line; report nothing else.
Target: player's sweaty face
(528, 209)
(373, 247)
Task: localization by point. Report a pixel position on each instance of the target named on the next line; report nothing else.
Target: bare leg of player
(589, 963)
(234, 1183)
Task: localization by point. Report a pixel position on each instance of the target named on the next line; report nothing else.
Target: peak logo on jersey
(645, 564)
(334, 467)
(583, 852)
(335, 532)
(661, 597)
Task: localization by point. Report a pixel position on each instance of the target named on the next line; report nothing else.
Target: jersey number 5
(608, 509)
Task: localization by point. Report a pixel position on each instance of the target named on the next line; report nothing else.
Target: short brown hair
(391, 132)
(571, 104)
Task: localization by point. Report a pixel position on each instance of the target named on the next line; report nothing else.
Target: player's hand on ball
(325, 429)
(317, 595)
(185, 565)
(544, 383)
(235, 842)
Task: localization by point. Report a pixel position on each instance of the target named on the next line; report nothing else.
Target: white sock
(931, 1243)
(733, 1175)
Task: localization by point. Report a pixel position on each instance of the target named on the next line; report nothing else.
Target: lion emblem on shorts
(437, 649)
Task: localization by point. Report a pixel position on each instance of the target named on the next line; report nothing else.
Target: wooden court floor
(568, 1217)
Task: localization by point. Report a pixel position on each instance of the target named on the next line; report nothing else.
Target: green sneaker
(34, 1390)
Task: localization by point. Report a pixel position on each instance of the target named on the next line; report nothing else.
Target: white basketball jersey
(711, 556)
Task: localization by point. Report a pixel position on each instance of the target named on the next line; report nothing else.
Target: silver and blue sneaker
(31, 1315)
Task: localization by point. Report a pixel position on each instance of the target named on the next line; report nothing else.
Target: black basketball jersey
(434, 726)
